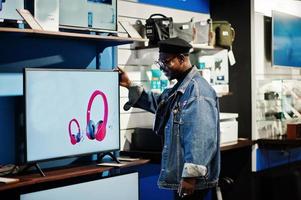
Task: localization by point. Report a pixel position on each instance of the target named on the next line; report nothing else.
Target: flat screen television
(286, 40)
(89, 14)
(70, 112)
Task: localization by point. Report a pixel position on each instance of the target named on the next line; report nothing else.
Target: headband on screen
(97, 131)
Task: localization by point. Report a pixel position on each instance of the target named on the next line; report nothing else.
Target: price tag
(231, 58)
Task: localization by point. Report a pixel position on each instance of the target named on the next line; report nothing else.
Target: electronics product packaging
(158, 27)
(225, 33)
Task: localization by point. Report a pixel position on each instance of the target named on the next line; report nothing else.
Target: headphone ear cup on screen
(78, 137)
(91, 130)
(101, 131)
(73, 139)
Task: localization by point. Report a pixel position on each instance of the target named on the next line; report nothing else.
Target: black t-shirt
(166, 105)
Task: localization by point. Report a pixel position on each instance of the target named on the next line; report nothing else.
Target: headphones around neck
(93, 131)
(97, 131)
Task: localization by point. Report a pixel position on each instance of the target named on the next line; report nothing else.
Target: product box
(46, 12)
(294, 130)
(228, 127)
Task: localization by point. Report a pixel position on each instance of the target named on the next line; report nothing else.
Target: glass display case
(278, 102)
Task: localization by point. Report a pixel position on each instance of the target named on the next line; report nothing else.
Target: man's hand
(124, 79)
(187, 186)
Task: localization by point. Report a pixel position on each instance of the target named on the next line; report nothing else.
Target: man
(187, 116)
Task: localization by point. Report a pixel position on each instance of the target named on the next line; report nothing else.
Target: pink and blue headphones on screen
(97, 131)
(75, 138)
(93, 131)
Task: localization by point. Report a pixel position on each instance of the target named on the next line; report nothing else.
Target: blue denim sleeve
(139, 98)
(200, 135)
(148, 101)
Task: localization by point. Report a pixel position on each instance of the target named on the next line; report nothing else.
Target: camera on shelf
(271, 95)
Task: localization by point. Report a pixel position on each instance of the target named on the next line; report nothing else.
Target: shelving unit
(63, 174)
(277, 103)
(278, 143)
(240, 143)
(101, 40)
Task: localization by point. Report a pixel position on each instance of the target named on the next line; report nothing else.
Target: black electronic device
(144, 139)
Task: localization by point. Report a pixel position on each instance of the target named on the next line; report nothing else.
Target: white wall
(138, 62)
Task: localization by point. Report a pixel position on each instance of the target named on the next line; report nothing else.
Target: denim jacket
(192, 132)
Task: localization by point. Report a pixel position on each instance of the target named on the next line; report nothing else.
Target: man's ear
(181, 58)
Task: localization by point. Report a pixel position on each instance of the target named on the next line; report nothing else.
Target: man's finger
(120, 70)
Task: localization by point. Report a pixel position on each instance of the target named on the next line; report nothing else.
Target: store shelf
(196, 47)
(278, 143)
(222, 94)
(202, 46)
(240, 143)
(99, 39)
(155, 156)
(63, 174)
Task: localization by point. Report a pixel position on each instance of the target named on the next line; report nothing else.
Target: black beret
(174, 46)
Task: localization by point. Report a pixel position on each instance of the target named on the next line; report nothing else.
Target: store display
(70, 112)
(278, 104)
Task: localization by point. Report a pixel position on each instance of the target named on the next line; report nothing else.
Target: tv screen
(286, 40)
(93, 14)
(70, 112)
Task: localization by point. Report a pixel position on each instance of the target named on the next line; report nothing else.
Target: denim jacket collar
(187, 80)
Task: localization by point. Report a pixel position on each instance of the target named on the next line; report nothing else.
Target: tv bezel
(25, 70)
(272, 42)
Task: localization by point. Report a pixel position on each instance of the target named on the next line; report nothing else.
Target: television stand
(102, 155)
(37, 166)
